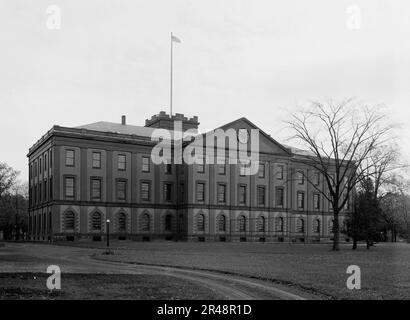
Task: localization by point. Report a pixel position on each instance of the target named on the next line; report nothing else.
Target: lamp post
(108, 235)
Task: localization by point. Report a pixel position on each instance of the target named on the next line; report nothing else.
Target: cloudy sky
(254, 59)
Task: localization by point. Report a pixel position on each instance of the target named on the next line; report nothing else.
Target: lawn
(385, 269)
(100, 286)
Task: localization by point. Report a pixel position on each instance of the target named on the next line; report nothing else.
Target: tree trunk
(354, 243)
(335, 231)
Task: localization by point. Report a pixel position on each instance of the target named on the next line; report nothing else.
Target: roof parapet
(164, 120)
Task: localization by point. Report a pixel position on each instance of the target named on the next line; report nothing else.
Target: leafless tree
(7, 178)
(342, 139)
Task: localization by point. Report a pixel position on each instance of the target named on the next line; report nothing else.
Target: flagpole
(171, 79)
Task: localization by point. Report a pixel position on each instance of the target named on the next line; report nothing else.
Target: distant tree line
(380, 216)
(13, 204)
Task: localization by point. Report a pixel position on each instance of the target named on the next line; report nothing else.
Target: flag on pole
(175, 39)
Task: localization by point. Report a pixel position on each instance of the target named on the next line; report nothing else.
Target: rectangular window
(97, 160)
(200, 191)
(45, 162)
(261, 195)
(242, 195)
(51, 188)
(45, 190)
(222, 168)
(201, 165)
(69, 187)
(168, 191)
(40, 165)
(168, 168)
(330, 204)
(95, 189)
(261, 172)
(316, 201)
(145, 164)
(145, 191)
(346, 206)
(280, 172)
(301, 200)
(221, 193)
(40, 187)
(121, 189)
(279, 196)
(332, 179)
(301, 177)
(316, 179)
(69, 158)
(181, 192)
(51, 159)
(122, 162)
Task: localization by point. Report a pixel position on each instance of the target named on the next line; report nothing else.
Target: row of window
(122, 164)
(145, 192)
(41, 192)
(241, 223)
(121, 161)
(145, 220)
(39, 222)
(121, 189)
(41, 164)
(97, 221)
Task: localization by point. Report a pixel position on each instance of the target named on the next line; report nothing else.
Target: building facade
(82, 177)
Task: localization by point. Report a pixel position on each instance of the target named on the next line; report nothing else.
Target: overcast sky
(254, 59)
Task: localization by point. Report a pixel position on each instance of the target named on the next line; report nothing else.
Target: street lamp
(108, 235)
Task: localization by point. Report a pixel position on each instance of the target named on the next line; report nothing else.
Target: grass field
(100, 286)
(385, 269)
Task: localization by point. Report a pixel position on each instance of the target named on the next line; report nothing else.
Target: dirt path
(15, 257)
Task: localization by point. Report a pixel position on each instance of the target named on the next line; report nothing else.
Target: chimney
(123, 121)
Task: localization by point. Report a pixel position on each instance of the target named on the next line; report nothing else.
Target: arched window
(200, 222)
(279, 224)
(261, 224)
(316, 226)
(168, 222)
(331, 227)
(122, 222)
(181, 226)
(96, 221)
(145, 222)
(300, 225)
(69, 220)
(221, 223)
(242, 223)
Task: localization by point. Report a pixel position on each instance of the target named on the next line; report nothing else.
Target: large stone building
(81, 177)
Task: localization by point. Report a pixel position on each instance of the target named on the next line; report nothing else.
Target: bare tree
(341, 138)
(7, 178)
